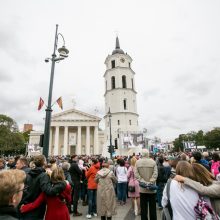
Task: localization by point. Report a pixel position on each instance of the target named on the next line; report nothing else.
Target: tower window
(118, 122)
(113, 82)
(125, 104)
(124, 82)
(132, 83)
(129, 64)
(129, 122)
(113, 64)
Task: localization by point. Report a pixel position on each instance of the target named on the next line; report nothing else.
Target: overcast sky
(175, 46)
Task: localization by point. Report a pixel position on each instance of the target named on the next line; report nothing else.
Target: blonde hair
(133, 161)
(202, 175)
(57, 175)
(10, 183)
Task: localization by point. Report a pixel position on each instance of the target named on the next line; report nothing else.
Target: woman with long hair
(56, 205)
(183, 199)
(132, 181)
(204, 184)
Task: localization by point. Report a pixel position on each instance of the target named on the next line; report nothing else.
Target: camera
(47, 60)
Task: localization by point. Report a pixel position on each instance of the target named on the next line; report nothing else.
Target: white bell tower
(120, 96)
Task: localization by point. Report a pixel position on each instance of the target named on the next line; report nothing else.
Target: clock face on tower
(122, 60)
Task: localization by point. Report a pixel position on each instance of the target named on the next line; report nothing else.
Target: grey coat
(146, 171)
(106, 199)
(212, 191)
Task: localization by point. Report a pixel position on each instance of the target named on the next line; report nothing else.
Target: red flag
(60, 103)
(41, 103)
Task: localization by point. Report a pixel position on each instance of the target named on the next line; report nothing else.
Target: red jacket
(56, 207)
(90, 175)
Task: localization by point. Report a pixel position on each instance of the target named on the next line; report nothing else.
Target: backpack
(215, 168)
(203, 211)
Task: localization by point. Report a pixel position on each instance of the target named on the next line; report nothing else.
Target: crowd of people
(181, 185)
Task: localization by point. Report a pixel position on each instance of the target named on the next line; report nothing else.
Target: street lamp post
(110, 133)
(63, 53)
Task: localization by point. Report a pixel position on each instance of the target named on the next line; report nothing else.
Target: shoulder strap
(168, 197)
(168, 188)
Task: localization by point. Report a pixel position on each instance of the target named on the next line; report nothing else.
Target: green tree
(178, 142)
(199, 138)
(11, 140)
(8, 123)
(212, 139)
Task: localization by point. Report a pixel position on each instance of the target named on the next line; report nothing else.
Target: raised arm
(46, 186)
(212, 190)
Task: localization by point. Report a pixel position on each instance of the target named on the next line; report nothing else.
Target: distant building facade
(73, 132)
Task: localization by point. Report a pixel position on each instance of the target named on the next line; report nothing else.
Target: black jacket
(38, 181)
(8, 213)
(75, 172)
(162, 178)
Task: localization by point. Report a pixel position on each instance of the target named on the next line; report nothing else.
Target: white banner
(72, 138)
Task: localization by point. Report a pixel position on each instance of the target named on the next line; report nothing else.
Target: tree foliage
(11, 140)
(211, 139)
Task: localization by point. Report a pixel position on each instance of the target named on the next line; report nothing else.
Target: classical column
(79, 144)
(87, 140)
(50, 142)
(96, 138)
(65, 141)
(56, 144)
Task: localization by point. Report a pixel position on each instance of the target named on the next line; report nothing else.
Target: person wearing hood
(92, 188)
(38, 181)
(106, 198)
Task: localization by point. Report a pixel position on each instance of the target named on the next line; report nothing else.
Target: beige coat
(146, 171)
(212, 191)
(106, 199)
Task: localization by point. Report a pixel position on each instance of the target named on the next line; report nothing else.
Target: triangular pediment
(74, 115)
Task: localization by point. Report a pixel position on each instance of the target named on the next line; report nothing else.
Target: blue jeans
(122, 191)
(160, 193)
(92, 201)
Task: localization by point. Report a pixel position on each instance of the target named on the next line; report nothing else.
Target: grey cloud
(151, 93)
(11, 42)
(5, 76)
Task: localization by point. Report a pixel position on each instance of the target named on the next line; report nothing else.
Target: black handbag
(131, 189)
